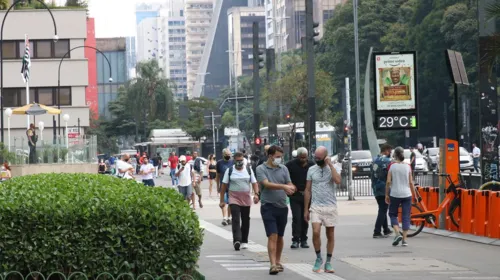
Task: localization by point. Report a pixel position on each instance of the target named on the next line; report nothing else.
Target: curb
(463, 236)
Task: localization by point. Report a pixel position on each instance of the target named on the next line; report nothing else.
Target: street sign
(396, 96)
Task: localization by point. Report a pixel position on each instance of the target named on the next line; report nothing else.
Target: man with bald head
(123, 167)
(320, 193)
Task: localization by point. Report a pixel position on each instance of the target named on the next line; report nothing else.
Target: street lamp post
(41, 126)
(1, 53)
(235, 64)
(59, 79)
(66, 119)
(8, 112)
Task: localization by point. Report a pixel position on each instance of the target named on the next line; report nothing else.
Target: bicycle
(421, 215)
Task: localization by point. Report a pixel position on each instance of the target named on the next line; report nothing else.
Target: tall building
(45, 57)
(146, 10)
(148, 46)
(215, 59)
(199, 15)
(288, 18)
(131, 56)
(240, 34)
(115, 51)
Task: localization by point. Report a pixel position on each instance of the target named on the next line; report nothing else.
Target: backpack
(197, 166)
(230, 171)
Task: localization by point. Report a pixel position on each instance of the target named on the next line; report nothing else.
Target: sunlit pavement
(357, 255)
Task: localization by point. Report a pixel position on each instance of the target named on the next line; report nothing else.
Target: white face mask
(277, 161)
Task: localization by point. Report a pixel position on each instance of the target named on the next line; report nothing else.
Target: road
(357, 255)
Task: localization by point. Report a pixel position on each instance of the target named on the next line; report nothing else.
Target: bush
(94, 224)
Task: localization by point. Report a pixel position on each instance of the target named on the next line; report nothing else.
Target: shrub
(94, 224)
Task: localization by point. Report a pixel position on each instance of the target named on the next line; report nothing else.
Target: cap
(182, 158)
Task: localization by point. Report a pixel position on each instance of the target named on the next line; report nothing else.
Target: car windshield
(463, 152)
(408, 153)
(433, 151)
(361, 155)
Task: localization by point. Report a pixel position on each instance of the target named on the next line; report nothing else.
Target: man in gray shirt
(320, 191)
(275, 185)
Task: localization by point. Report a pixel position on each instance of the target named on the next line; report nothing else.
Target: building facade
(91, 94)
(240, 34)
(198, 15)
(115, 50)
(131, 56)
(45, 58)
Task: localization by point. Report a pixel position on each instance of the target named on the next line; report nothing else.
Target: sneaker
(329, 268)
(237, 245)
(397, 239)
(404, 243)
(387, 233)
(379, 235)
(244, 246)
(229, 221)
(224, 222)
(317, 265)
(294, 245)
(304, 245)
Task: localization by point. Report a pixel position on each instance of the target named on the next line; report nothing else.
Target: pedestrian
(156, 163)
(238, 182)
(275, 185)
(198, 174)
(184, 171)
(264, 157)
(379, 172)
(147, 170)
(476, 153)
(399, 192)
(221, 167)
(124, 169)
(413, 161)
(32, 139)
(212, 173)
(298, 168)
(321, 194)
(5, 172)
(101, 167)
(188, 156)
(173, 160)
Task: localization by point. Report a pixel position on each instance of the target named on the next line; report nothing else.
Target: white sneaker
(224, 222)
(244, 246)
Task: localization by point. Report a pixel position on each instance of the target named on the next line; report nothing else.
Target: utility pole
(257, 65)
(213, 132)
(273, 120)
(358, 90)
(311, 33)
(349, 139)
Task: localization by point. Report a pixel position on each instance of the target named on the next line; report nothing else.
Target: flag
(25, 70)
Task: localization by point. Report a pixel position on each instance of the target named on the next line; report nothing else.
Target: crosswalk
(238, 263)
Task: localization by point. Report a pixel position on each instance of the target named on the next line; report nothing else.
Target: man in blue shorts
(275, 185)
(221, 167)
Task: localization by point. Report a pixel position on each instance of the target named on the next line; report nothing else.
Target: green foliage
(94, 224)
(77, 3)
(4, 4)
(245, 107)
(5, 155)
(198, 109)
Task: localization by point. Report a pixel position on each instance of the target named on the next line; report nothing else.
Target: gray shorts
(186, 191)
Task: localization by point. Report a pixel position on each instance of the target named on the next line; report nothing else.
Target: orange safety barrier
(481, 212)
(433, 201)
(466, 209)
(494, 215)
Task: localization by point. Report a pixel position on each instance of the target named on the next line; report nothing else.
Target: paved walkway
(357, 255)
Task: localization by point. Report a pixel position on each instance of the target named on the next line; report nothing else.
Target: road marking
(247, 268)
(252, 246)
(235, 261)
(242, 265)
(453, 272)
(305, 270)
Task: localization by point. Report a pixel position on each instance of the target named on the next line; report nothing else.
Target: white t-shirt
(476, 152)
(240, 186)
(185, 176)
(122, 165)
(146, 168)
(400, 184)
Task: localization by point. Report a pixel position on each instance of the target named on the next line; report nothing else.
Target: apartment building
(198, 15)
(288, 18)
(45, 57)
(240, 34)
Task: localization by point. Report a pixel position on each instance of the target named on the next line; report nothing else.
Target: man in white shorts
(320, 192)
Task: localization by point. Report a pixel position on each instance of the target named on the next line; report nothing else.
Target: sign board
(396, 93)
(231, 131)
(73, 132)
(456, 67)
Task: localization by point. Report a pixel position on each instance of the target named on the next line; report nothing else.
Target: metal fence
(362, 186)
(82, 149)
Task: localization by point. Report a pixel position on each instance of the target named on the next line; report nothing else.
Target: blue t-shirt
(379, 172)
(111, 160)
(221, 168)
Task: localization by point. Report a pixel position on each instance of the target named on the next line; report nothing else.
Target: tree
(198, 109)
(4, 4)
(77, 3)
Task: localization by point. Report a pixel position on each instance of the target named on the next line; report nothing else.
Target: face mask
(277, 161)
(227, 157)
(320, 162)
(239, 163)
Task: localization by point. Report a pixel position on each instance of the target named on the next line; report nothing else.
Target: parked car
(421, 165)
(361, 162)
(432, 155)
(466, 160)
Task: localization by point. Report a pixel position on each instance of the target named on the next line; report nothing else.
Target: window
(43, 49)
(16, 97)
(61, 47)
(9, 49)
(181, 13)
(21, 49)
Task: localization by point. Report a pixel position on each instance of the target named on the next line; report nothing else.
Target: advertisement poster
(395, 82)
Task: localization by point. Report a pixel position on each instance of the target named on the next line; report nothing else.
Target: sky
(113, 18)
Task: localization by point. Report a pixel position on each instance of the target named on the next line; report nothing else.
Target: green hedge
(95, 224)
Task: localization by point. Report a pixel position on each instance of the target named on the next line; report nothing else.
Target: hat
(182, 158)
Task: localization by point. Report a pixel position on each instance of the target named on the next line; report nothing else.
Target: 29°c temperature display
(396, 122)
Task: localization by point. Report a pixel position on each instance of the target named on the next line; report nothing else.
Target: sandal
(280, 267)
(201, 204)
(274, 270)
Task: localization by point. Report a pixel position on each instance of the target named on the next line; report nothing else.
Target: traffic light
(260, 59)
(315, 33)
(288, 117)
(257, 141)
